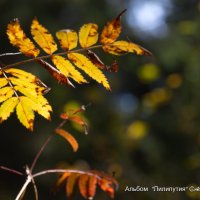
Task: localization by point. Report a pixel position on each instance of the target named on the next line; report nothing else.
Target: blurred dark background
(146, 130)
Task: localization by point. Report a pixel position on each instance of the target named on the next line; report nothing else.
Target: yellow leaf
(26, 84)
(122, 47)
(72, 141)
(7, 108)
(88, 35)
(68, 39)
(42, 37)
(111, 31)
(21, 74)
(25, 113)
(38, 99)
(18, 38)
(6, 93)
(3, 82)
(88, 67)
(67, 68)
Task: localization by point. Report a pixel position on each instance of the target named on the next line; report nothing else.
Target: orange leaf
(72, 141)
(71, 181)
(107, 186)
(112, 30)
(62, 178)
(42, 37)
(77, 120)
(64, 116)
(92, 187)
(18, 38)
(95, 59)
(83, 185)
(57, 75)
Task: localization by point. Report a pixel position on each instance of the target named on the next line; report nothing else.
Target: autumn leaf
(42, 37)
(122, 47)
(88, 35)
(83, 185)
(88, 67)
(6, 93)
(107, 186)
(67, 69)
(57, 75)
(19, 39)
(95, 59)
(111, 31)
(68, 39)
(25, 113)
(71, 181)
(67, 136)
(3, 82)
(7, 107)
(92, 184)
(62, 178)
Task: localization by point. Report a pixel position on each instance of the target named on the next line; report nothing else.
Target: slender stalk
(11, 170)
(40, 152)
(47, 56)
(10, 54)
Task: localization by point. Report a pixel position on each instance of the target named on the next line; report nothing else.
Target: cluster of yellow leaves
(66, 67)
(87, 183)
(23, 91)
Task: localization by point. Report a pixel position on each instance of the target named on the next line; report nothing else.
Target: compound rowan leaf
(7, 107)
(66, 67)
(83, 185)
(72, 141)
(92, 184)
(122, 47)
(88, 67)
(88, 35)
(25, 112)
(57, 75)
(68, 39)
(19, 39)
(43, 38)
(6, 93)
(71, 181)
(95, 59)
(3, 82)
(111, 31)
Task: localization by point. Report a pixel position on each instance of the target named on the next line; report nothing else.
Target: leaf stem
(47, 56)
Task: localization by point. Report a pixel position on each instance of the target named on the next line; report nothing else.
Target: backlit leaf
(18, 38)
(122, 47)
(42, 37)
(57, 75)
(67, 68)
(92, 184)
(7, 107)
(68, 39)
(111, 31)
(107, 186)
(25, 113)
(88, 35)
(62, 178)
(95, 59)
(71, 181)
(83, 185)
(72, 141)
(88, 67)
(3, 82)
(6, 93)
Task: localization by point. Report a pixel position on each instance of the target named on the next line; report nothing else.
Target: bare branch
(11, 170)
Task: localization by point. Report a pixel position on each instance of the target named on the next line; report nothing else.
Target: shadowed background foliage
(146, 130)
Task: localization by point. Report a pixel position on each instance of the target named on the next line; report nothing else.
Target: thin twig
(39, 153)
(47, 56)
(10, 54)
(11, 170)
